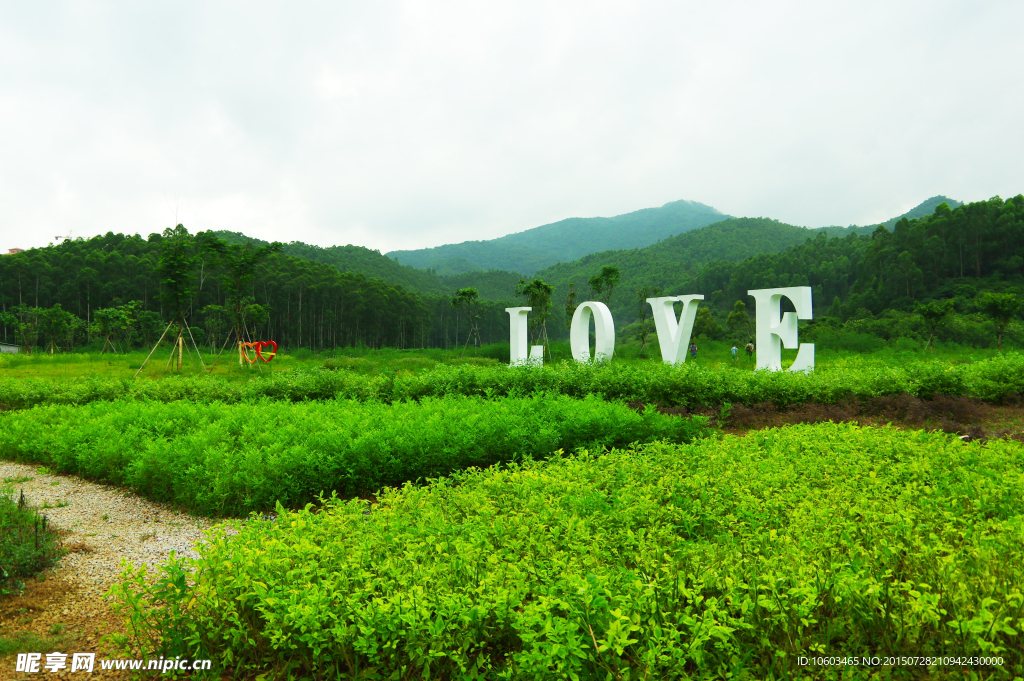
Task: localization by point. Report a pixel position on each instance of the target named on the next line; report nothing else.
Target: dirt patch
(56, 615)
(78, 547)
(971, 418)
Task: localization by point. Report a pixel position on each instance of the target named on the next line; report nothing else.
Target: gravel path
(103, 525)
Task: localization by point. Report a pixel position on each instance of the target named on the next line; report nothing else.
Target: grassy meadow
(409, 514)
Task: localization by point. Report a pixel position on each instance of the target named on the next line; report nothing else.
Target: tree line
(111, 288)
(875, 283)
(116, 289)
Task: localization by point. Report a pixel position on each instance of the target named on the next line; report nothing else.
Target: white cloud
(409, 124)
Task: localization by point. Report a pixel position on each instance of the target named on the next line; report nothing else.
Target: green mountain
(323, 298)
(922, 257)
(561, 241)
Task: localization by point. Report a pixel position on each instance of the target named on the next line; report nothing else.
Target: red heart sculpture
(259, 345)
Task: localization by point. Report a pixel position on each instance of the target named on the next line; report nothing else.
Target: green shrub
(689, 385)
(358, 364)
(234, 458)
(724, 558)
(28, 543)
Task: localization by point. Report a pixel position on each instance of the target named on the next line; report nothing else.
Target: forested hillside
(63, 294)
(564, 240)
(666, 261)
(356, 259)
(875, 281)
(491, 285)
(979, 244)
(921, 210)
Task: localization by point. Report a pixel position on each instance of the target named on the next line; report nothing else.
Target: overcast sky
(399, 125)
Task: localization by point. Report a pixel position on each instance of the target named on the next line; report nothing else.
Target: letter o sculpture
(604, 332)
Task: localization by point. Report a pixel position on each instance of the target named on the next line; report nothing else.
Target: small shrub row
(28, 543)
(688, 385)
(720, 559)
(225, 459)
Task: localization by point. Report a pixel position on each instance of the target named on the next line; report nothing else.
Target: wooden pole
(152, 351)
(198, 353)
(190, 360)
(227, 339)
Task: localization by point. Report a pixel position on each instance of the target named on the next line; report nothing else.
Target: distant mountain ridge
(725, 239)
(921, 210)
(562, 241)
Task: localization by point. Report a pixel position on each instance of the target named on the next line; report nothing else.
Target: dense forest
(871, 284)
(875, 286)
(923, 210)
(67, 295)
(670, 261)
(978, 245)
(491, 285)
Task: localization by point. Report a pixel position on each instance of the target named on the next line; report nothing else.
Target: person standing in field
(734, 350)
(750, 350)
(693, 351)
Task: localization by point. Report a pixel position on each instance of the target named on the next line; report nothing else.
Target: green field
(450, 517)
(724, 558)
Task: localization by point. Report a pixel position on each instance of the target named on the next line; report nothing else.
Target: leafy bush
(724, 558)
(689, 385)
(28, 543)
(234, 458)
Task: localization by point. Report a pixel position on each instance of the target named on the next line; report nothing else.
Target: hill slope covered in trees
(921, 210)
(564, 240)
(492, 285)
(867, 280)
(950, 254)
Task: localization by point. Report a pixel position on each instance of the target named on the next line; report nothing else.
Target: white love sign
(774, 330)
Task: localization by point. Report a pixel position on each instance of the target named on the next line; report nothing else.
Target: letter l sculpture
(517, 339)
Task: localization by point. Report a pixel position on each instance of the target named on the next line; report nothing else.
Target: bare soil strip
(964, 416)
